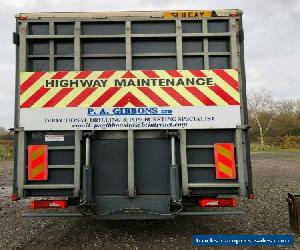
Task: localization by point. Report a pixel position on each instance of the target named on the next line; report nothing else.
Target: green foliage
(284, 131)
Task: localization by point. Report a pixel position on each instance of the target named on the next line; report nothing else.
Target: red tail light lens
(13, 197)
(49, 204)
(217, 202)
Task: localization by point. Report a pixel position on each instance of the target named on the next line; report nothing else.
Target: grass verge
(255, 147)
(6, 150)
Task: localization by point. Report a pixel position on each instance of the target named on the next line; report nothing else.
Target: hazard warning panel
(137, 99)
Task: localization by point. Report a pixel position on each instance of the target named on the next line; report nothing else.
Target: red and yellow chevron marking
(224, 161)
(37, 162)
(139, 88)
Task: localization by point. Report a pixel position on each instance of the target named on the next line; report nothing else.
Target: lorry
(131, 115)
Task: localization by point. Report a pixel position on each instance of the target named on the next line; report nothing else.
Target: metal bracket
(243, 127)
(21, 129)
(172, 133)
(16, 38)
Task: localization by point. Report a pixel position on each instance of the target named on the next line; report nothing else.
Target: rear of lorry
(131, 115)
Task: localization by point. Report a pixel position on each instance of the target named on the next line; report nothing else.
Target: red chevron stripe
(37, 161)
(150, 74)
(57, 97)
(107, 74)
(83, 74)
(221, 93)
(153, 96)
(105, 97)
(173, 73)
(129, 97)
(175, 95)
(201, 96)
(197, 73)
(59, 75)
(224, 160)
(81, 97)
(227, 78)
(30, 81)
(35, 97)
(128, 74)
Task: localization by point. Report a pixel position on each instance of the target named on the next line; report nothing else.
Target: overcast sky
(272, 39)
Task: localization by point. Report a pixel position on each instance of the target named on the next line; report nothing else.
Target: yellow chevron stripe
(32, 89)
(69, 97)
(233, 73)
(188, 96)
(46, 97)
(225, 152)
(116, 97)
(37, 153)
(139, 74)
(37, 170)
(142, 97)
(207, 91)
(225, 169)
(163, 95)
(224, 85)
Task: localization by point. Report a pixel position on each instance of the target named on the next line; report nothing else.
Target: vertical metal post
(242, 78)
(233, 43)
(184, 167)
(179, 44)
(21, 163)
(77, 60)
(51, 47)
(87, 151)
(128, 45)
(21, 135)
(205, 44)
(78, 134)
(131, 180)
(87, 184)
(77, 163)
(131, 172)
(241, 161)
(174, 174)
(173, 150)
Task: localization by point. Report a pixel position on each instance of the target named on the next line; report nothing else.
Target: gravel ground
(275, 174)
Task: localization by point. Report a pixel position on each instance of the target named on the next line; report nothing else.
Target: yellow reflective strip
(213, 96)
(37, 170)
(205, 90)
(223, 85)
(163, 95)
(162, 74)
(93, 97)
(225, 152)
(30, 91)
(37, 153)
(45, 98)
(115, 98)
(233, 73)
(225, 169)
(142, 97)
(188, 96)
(69, 97)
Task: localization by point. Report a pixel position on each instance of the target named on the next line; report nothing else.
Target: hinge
(241, 35)
(16, 38)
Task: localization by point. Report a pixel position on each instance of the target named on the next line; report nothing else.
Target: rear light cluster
(49, 204)
(217, 202)
(13, 197)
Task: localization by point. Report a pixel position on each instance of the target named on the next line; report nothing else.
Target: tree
(263, 110)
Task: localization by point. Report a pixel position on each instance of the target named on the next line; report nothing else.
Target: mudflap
(142, 207)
